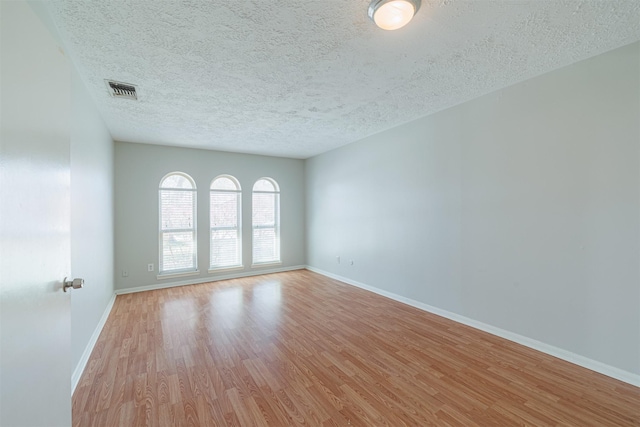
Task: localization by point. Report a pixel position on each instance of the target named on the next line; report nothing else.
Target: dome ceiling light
(392, 14)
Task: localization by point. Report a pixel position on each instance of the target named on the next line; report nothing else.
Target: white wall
(91, 218)
(519, 209)
(91, 190)
(139, 169)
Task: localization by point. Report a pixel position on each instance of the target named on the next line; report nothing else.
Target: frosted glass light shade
(393, 14)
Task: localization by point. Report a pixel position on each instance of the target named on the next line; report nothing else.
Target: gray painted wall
(139, 169)
(519, 209)
(91, 217)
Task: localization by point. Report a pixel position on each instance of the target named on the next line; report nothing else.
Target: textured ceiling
(295, 78)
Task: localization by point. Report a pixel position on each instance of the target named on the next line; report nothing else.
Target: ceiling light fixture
(392, 14)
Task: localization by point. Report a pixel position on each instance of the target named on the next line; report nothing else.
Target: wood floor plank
(297, 348)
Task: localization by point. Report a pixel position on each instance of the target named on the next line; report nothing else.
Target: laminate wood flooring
(300, 349)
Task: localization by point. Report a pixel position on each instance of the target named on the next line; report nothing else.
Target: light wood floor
(297, 348)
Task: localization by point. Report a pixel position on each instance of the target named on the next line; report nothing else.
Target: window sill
(173, 275)
(221, 269)
(266, 264)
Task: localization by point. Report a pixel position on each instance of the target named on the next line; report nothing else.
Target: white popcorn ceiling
(295, 78)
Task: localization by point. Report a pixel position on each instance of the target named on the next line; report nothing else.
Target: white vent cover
(121, 90)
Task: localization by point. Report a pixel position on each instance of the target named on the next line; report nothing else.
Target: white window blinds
(177, 200)
(225, 218)
(266, 221)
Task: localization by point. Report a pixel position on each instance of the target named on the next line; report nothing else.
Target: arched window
(177, 200)
(226, 222)
(266, 221)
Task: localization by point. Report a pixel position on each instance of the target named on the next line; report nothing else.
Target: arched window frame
(188, 229)
(215, 264)
(258, 226)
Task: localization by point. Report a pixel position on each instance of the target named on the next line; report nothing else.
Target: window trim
(165, 274)
(276, 225)
(238, 192)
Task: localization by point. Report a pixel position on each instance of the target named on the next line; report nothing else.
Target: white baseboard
(84, 359)
(576, 359)
(207, 279)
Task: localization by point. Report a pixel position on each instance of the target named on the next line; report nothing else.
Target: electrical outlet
(350, 262)
(338, 259)
(125, 273)
(149, 267)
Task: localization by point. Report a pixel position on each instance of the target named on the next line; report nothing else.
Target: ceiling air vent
(122, 90)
